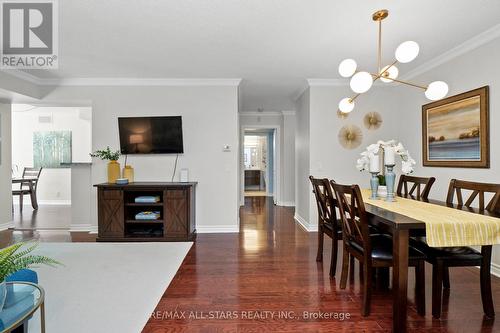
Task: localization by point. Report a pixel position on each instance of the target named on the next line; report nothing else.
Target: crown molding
(467, 46)
(230, 82)
(141, 82)
(23, 76)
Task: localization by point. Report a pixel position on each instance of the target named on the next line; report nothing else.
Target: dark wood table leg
(400, 280)
(34, 202)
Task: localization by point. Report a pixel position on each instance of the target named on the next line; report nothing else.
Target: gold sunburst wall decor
(350, 136)
(372, 120)
(342, 115)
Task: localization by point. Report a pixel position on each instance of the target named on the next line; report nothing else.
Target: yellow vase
(128, 172)
(113, 171)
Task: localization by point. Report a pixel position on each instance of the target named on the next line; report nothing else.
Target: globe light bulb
(361, 82)
(436, 90)
(389, 73)
(347, 68)
(346, 105)
(407, 51)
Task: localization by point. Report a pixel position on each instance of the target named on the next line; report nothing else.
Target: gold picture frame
(455, 131)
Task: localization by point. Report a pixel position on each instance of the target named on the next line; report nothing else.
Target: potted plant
(13, 260)
(113, 165)
(382, 188)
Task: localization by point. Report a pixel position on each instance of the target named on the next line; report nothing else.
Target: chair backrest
(477, 190)
(422, 185)
(325, 200)
(31, 173)
(353, 216)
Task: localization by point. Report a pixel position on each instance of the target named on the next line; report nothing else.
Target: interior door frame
(276, 162)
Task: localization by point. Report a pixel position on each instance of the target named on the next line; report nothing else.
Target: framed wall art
(455, 131)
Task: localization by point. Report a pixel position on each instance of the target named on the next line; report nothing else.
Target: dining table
(30, 182)
(387, 216)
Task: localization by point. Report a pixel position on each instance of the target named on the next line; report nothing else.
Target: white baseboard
(304, 224)
(495, 269)
(27, 202)
(215, 229)
(93, 229)
(6, 225)
(80, 227)
(286, 204)
(55, 202)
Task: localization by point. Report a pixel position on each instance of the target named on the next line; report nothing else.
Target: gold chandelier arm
(409, 83)
(379, 46)
(404, 82)
(378, 76)
(354, 98)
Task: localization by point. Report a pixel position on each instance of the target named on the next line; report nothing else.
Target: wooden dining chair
(328, 223)
(443, 258)
(24, 188)
(408, 185)
(372, 250)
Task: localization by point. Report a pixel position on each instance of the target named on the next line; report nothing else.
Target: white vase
(3, 294)
(382, 191)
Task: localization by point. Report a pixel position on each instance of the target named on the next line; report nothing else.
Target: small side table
(22, 300)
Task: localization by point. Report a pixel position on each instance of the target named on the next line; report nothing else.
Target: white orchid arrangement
(363, 163)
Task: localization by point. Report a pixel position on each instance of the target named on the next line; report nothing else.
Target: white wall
(302, 160)
(5, 168)
(55, 184)
(288, 158)
(469, 71)
(210, 120)
(318, 139)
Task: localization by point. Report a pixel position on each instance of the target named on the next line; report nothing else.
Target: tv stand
(117, 211)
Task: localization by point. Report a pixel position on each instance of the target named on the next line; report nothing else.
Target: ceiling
(272, 45)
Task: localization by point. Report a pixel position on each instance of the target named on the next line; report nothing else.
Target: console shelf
(117, 211)
(141, 204)
(145, 221)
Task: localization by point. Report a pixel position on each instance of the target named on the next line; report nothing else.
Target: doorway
(259, 162)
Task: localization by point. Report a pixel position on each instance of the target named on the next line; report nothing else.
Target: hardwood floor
(270, 266)
(236, 282)
(46, 217)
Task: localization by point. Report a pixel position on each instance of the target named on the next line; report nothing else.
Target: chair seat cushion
(382, 248)
(338, 226)
(446, 253)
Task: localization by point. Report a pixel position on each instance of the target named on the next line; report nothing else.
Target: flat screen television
(151, 135)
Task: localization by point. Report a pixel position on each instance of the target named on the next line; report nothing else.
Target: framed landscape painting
(455, 131)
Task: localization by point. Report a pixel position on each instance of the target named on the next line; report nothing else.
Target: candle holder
(374, 185)
(390, 180)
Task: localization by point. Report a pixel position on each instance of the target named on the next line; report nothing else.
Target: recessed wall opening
(46, 142)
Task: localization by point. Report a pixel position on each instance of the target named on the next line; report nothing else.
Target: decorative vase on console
(113, 165)
(371, 160)
(128, 171)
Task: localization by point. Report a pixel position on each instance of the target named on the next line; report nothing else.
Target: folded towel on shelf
(147, 199)
(147, 216)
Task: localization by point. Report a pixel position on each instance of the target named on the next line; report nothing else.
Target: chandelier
(362, 81)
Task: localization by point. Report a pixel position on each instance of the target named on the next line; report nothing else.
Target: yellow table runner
(444, 226)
